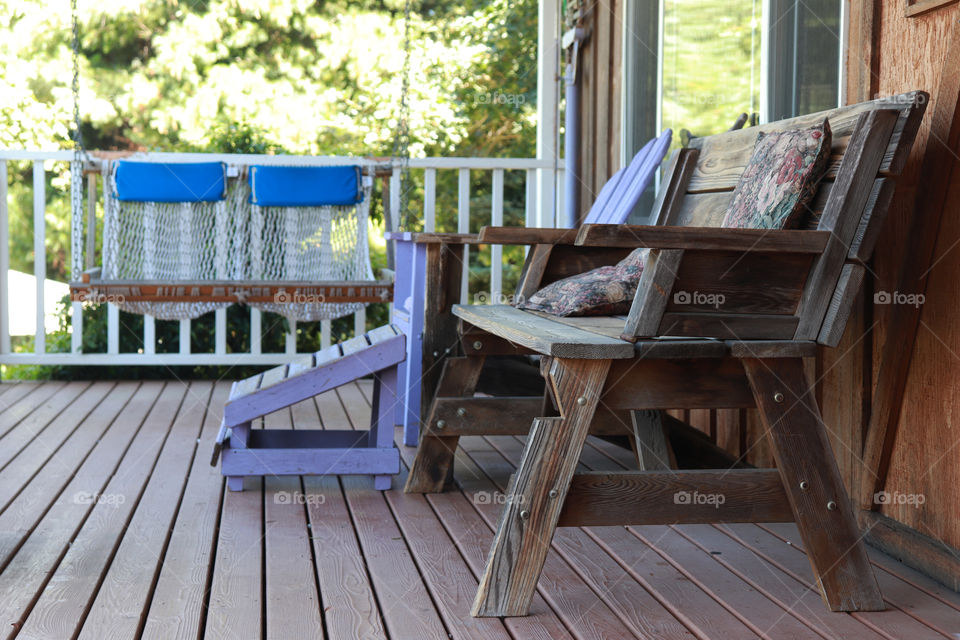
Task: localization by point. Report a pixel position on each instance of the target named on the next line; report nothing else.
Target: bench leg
(238, 440)
(813, 484)
(382, 418)
(538, 489)
(432, 469)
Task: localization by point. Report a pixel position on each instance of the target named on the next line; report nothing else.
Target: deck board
(62, 606)
(180, 557)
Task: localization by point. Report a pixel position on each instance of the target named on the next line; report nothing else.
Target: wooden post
(537, 491)
(432, 469)
(813, 484)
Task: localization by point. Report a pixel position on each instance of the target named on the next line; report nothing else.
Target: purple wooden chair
(613, 205)
(257, 452)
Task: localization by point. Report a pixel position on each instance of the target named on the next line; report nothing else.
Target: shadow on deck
(113, 525)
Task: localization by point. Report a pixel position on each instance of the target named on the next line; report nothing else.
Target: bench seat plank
(543, 335)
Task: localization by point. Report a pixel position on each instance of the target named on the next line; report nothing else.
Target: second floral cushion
(780, 178)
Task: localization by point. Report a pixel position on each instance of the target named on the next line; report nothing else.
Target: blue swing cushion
(170, 182)
(272, 186)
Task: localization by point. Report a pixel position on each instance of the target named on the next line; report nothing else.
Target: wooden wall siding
(600, 68)
(926, 453)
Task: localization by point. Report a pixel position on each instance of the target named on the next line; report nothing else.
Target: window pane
(711, 64)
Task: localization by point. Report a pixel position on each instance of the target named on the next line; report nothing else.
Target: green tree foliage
(266, 76)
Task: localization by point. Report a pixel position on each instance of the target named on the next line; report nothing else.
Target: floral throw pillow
(780, 179)
(603, 291)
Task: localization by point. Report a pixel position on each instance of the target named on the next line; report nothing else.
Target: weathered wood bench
(250, 452)
(783, 293)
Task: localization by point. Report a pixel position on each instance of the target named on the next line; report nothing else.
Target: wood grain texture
(526, 235)
(349, 603)
(541, 334)
(533, 269)
(731, 591)
(702, 238)
(650, 442)
(407, 609)
(126, 588)
(696, 383)
(61, 605)
(908, 359)
(28, 560)
(432, 470)
(537, 492)
(841, 305)
(176, 607)
(672, 191)
(787, 550)
(601, 499)
(723, 156)
(653, 293)
(871, 222)
(776, 583)
(820, 506)
(841, 216)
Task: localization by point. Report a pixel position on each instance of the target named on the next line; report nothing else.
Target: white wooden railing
(542, 172)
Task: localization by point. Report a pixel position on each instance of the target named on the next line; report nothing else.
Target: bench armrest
(433, 237)
(705, 238)
(527, 235)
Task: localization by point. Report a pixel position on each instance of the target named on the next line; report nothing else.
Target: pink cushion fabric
(780, 179)
(603, 291)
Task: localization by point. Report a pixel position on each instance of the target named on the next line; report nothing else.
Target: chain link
(79, 155)
(401, 142)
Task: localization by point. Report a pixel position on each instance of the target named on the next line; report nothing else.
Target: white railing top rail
(446, 162)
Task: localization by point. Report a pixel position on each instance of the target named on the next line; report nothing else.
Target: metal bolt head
(524, 515)
(441, 424)
(477, 345)
(461, 412)
(778, 397)
(436, 354)
(831, 506)
(804, 485)
(581, 401)
(553, 493)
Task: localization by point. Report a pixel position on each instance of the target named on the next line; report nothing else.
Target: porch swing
(183, 239)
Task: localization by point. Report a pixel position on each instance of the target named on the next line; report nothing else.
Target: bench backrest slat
(871, 142)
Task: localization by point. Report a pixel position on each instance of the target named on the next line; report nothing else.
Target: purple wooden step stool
(257, 452)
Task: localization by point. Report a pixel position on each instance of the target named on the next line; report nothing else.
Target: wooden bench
(722, 318)
(250, 452)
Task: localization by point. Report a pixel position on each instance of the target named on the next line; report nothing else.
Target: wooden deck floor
(113, 525)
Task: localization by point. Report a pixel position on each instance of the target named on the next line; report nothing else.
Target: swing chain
(79, 153)
(401, 142)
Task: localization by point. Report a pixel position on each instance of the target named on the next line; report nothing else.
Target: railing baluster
(256, 336)
(463, 226)
(530, 208)
(290, 344)
(113, 329)
(185, 336)
(360, 322)
(39, 250)
(149, 335)
(496, 250)
(76, 327)
(4, 262)
(430, 200)
(220, 331)
(324, 334)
